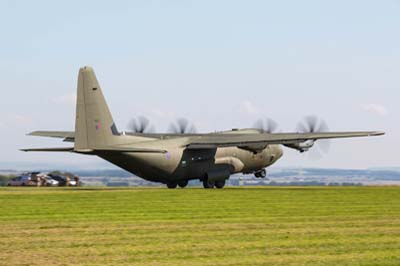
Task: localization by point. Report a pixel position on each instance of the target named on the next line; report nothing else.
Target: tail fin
(94, 125)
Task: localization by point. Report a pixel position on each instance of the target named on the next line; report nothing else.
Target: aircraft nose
(278, 152)
(273, 153)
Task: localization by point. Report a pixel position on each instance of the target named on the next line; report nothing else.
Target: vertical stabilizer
(94, 125)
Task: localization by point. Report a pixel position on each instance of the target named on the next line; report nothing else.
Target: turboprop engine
(301, 147)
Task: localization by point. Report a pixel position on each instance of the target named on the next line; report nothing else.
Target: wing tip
(34, 133)
(377, 133)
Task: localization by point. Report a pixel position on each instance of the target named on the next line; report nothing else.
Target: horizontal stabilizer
(90, 151)
(53, 134)
(62, 149)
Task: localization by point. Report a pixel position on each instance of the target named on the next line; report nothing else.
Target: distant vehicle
(49, 181)
(39, 177)
(34, 178)
(73, 183)
(63, 181)
(22, 180)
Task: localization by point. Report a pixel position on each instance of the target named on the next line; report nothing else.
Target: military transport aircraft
(174, 159)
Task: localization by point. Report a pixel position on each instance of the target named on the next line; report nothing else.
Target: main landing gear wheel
(183, 183)
(220, 184)
(263, 173)
(172, 185)
(207, 184)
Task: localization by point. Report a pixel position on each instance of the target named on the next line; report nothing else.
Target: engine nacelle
(301, 147)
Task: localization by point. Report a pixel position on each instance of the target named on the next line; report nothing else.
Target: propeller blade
(182, 126)
(302, 128)
(173, 129)
(323, 127)
(312, 124)
(323, 144)
(140, 125)
(266, 125)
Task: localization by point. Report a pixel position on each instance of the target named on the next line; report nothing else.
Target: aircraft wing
(211, 141)
(248, 140)
(68, 136)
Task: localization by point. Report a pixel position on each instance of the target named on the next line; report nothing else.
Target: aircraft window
(94, 89)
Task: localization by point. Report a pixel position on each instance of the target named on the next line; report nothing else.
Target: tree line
(4, 179)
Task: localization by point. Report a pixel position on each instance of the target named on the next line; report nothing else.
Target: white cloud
(374, 108)
(68, 99)
(247, 107)
(17, 119)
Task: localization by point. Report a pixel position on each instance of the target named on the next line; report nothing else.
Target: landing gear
(212, 184)
(220, 184)
(183, 183)
(261, 174)
(172, 185)
(208, 184)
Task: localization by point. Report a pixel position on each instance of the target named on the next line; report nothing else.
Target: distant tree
(4, 179)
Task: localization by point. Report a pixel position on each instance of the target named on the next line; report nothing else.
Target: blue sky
(222, 64)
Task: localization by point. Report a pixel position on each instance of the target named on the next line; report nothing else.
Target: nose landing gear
(261, 174)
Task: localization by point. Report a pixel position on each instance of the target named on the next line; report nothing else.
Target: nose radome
(279, 152)
(273, 153)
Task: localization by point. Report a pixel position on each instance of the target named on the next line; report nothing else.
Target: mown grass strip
(237, 226)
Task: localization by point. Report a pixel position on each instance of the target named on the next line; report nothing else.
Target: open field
(233, 226)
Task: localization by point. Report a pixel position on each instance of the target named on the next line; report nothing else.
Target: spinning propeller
(266, 125)
(140, 125)
(182, 126)
(312, 124)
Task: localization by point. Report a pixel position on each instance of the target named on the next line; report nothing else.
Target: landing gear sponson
(213, 183)
(206, 184)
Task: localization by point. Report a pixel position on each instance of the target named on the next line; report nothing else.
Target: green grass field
(232, 226)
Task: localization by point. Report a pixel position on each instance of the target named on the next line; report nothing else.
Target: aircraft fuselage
(185, 164)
